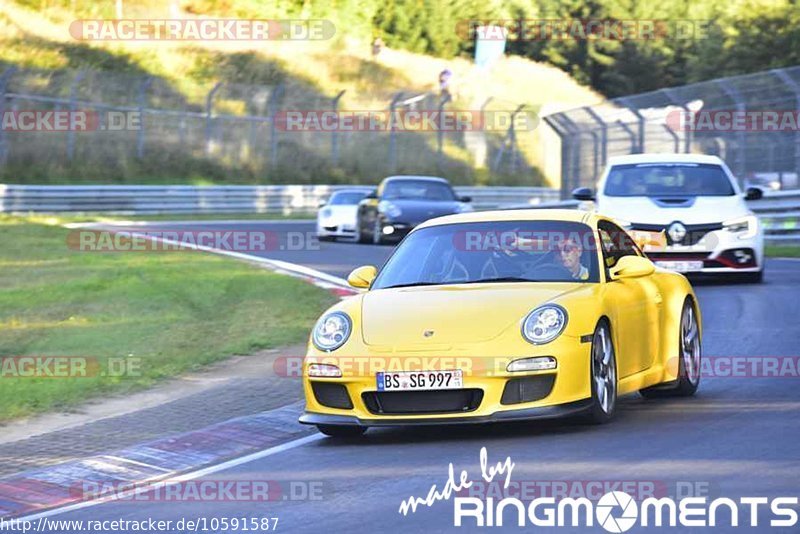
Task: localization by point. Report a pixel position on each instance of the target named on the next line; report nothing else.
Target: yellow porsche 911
(500, 316)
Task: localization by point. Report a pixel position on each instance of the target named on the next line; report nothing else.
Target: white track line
(292, 268)
(181, 478)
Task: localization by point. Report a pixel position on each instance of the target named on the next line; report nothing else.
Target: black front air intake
(528, 388)
(332, 395)
(422, 402)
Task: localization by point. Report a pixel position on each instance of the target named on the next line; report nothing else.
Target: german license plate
(419, 380)
(681, 266)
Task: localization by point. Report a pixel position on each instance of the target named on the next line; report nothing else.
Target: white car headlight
(389, 209)
(464, 208)
(743, 227)
(544, 324)
(324, 370)
(332, 331)
(326, 212)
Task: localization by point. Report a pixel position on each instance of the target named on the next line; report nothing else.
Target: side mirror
(362, 277)
(753, 193)
(632, 267)
(322, 204)
(465, 199)
(583, 193)
(372, 194)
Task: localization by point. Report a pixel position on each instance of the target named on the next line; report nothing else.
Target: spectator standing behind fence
(444, 84)
(377, 46)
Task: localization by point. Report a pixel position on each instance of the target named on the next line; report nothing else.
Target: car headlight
(387, 208)
(464, 208)
(744, 227)
(540, 363)
(324, 370)
(544, 324)
(331, 331)
(325, 213)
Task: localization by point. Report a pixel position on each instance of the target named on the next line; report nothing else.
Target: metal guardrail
(267, 199)
(779, 211)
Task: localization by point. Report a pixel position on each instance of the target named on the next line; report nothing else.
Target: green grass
(783, 251)
(174, 311)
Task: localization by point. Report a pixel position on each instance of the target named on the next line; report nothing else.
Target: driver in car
(569, 253)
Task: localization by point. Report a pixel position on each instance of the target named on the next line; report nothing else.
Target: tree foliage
(729, 37)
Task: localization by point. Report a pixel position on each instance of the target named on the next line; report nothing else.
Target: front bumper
(333, 228)
(521, 414)
(716, 252)
(489, 392)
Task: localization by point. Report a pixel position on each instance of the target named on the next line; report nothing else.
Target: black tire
(377, 237)
(602, 410)
(360, 237)
(689, 362)
(342, 431)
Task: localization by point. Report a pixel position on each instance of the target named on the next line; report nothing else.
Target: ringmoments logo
(615, 511)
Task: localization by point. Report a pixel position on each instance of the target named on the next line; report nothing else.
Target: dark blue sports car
(402, 202)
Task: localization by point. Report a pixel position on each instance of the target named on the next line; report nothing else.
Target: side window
(616, 243)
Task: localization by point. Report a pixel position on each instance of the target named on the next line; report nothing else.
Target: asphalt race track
(738, 437)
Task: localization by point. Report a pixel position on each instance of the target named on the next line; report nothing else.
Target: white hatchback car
(337, 217)
(688, 211)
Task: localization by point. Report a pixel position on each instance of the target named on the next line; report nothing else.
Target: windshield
(668, 179)
(506, 251)
(417, 190)
(346, 198)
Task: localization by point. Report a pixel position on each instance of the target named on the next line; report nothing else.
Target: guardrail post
(73, 108)
(273, 103)
(393, 133)
(687, 134)
(564, 132)
(4, 79)
(630, 133)
(795, 87)
(209, 111)
(440, 132)
(335, 138)
(741, 108)
(603, 134)
(511, 142)
(640, 119)
(143, 87)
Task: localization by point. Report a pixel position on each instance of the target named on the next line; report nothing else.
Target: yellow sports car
(498, 316)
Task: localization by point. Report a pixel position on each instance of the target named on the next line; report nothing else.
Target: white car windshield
(667, 179)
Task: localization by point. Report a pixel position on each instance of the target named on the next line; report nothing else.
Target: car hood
(417, 211)
(457, 314)
(693, 210)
